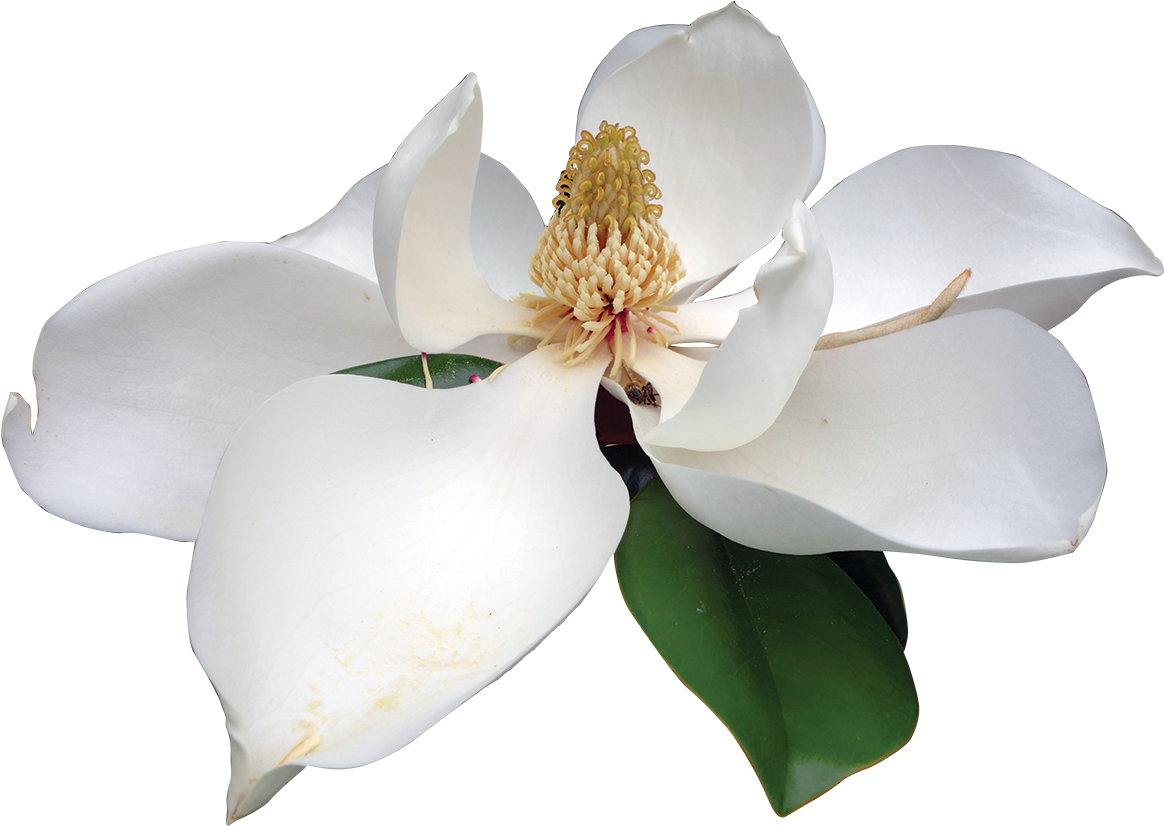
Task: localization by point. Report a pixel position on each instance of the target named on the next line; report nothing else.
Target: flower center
(605, 267)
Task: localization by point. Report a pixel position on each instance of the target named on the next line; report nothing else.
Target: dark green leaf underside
(870, 571)
(447, 370)
(786, 650)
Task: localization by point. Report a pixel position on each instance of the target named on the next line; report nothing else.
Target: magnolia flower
(499, 384)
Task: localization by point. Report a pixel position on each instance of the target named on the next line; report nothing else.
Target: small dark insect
(641, 392)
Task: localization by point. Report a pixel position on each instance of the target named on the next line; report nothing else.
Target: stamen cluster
(604, 264)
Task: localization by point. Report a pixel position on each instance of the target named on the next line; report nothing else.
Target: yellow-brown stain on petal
(404, 663)
(385, 702)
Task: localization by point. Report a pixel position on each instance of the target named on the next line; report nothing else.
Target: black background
(1031, 677)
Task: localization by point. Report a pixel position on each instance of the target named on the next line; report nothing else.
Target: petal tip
(17, 408)
(251, 787)
(15, 427)
(1084, 526)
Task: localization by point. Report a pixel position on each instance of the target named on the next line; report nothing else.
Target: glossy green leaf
(447, 370)
(786, 650)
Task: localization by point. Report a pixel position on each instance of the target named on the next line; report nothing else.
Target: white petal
(710, 320)
(374, 554)
(143, 378)
(729, 125)
(818, 147)
(640, 41)
(749, 378)
(971, 437)
(900, 229)
(504, 229)
(673, 374)
(627, 50)
(422, 232)
(344, 235)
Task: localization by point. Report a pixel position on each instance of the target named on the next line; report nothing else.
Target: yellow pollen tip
(604, 265)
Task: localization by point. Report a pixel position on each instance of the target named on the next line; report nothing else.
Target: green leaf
(447, 370)
(871, 572)
(786, 650)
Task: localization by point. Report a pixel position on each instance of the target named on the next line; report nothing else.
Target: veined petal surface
(374, 554)
(971, 437)
(422, 231)
(730, 128)
(901, 228)
(144, 377)
(753, 372)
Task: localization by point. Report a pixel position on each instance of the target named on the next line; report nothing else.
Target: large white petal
(971, 437)
(625, 51)
(422, 232)
(504, 228)
(730, 128)
(144, 377)
(641, 41)
(344, 234)
(900, 229)
(374, 554)
(751, 375)
(710, 320)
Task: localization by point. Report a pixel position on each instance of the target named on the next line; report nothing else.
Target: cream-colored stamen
(605, 267)
(497, 372)
(427, 375)
(926, 314)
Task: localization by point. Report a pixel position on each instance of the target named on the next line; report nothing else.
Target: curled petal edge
(422, 232)
(747, 381)
(902, 227)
